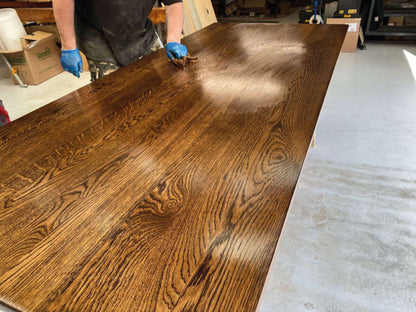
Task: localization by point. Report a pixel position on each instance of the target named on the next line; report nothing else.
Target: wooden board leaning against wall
(197, 15)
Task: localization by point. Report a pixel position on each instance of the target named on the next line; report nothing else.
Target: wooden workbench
(161, 189)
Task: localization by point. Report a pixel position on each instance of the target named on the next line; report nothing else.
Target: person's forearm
(174, 16)
(64, 16)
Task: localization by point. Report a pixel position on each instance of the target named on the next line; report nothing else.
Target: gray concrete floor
(349, 241)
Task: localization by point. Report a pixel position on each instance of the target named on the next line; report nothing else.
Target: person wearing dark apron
(113, 33)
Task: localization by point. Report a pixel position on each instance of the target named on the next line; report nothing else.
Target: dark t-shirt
(117, 31)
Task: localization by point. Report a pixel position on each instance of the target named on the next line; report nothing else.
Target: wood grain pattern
(163, 189)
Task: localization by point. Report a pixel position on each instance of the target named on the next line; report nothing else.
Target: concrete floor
(20, 101)
(349, 241)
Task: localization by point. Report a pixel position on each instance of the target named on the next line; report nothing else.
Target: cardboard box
(39, 59)
(48, 28)
(351, 38)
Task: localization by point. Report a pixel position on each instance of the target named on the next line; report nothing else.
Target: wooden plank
(191, 15)
(197, 15)
(205, 12)
(45, 15)
(17, 4)
(161, 189)
(158, 15)
(188, 24)
(37, 15)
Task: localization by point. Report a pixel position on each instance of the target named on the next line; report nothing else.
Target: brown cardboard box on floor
(351, 38)
(39, 59)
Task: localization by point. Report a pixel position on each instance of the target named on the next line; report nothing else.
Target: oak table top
(163, 189)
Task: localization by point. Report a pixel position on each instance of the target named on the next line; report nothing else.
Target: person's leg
(156, 46)
(99, 69)
(93, 44)
(96, 47)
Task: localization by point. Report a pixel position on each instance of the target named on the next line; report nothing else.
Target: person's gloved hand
(71, 61)
(176, 50)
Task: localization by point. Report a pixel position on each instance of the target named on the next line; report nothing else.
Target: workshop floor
(20, 101)
(349, 241)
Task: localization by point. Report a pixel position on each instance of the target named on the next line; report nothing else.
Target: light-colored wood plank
(197, 15)
(205, 12)
(188, 24)
(191, 16)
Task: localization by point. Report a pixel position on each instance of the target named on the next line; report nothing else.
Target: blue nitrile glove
(176, 50)
(71, 61)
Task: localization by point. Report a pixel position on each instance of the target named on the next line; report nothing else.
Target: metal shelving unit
(404, 31)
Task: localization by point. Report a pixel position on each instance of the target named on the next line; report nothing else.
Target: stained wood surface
(161, 189)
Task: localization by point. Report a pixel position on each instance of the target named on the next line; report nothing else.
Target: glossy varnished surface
(161, 189)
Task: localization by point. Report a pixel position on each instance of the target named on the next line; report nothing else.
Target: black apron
(115, 31)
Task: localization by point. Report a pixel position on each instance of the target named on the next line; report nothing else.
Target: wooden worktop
(161, 189)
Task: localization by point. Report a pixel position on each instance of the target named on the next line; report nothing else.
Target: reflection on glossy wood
(163, 189)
